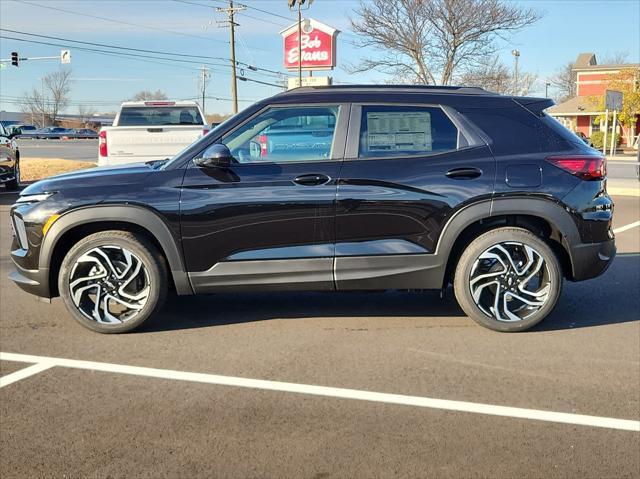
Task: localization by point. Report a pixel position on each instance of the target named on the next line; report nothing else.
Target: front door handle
(464, 173)
(312, 180)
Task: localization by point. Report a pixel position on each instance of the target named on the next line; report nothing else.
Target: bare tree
(493, 75)
(43, 104)
(564, 82)
(148, 95)
(615, 58)
(428, 41)
(86, 113)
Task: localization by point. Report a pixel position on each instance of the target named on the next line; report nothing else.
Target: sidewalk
(623, 187)
(620, 157)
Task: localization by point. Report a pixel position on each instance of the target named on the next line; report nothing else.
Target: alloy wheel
(510, 281)
(109, 284)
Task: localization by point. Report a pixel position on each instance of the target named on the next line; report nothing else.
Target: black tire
(13, 185)
(515, 240)
(152, 276)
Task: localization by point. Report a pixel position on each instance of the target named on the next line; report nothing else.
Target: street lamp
(516, 54)
(546, 89)
(292, 4)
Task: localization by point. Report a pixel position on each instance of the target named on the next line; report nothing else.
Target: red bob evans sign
(318, 46)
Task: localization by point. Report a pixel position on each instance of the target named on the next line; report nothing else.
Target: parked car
(355, 188)
(150, 130)
(51, 133)
(20, 130)
(83, 133)
(9, 160)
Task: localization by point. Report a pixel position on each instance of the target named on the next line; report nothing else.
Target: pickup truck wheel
(13, 185)
(113, 281)
(508, 280)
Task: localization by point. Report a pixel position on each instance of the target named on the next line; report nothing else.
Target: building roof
(585, 60)
(580, 105)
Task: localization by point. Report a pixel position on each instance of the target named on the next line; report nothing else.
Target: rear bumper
(590, 260)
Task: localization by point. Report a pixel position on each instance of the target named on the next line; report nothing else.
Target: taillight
(585, 167)
(102, 143)
(264, 145)
(205, 131)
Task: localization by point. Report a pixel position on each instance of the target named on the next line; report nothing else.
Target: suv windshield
(164, 115)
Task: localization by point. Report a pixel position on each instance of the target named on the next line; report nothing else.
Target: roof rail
(464, 90)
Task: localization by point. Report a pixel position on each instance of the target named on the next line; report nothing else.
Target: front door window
(279, 135)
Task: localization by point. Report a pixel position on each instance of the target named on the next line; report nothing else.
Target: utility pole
(299, 3)
(43, 105)
(231, 11)
(204, 81)
(516, 54)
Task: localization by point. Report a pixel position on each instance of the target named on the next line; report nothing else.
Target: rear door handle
(312, 180)
(464, 173)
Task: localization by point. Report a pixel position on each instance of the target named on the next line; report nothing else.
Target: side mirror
(217, 155)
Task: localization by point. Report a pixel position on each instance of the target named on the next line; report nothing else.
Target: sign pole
(606, 129)
(613, 132)
(299, 44)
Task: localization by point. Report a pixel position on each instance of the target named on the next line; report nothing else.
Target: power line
(158, 52)
(114, 46)
(122, 22)
(95, 50)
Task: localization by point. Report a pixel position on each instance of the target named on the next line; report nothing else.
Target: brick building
(580, 113)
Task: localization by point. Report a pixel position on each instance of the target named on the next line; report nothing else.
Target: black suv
(332, 189)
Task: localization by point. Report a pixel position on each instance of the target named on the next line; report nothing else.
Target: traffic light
(14, 59)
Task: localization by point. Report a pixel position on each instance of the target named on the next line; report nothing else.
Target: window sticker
(399, 131)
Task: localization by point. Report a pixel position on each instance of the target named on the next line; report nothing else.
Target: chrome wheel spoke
(510, 281)
(109, 284)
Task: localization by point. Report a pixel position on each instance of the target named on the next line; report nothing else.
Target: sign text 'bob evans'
(318, 43)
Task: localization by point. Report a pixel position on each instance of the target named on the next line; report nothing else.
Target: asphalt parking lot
(375, 385)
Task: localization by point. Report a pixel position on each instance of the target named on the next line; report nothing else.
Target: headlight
(33, 198)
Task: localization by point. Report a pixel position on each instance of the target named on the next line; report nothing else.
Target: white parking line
(24, 373)
(635, 224)
(417, 401)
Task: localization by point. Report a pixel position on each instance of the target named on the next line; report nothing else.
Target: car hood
(93, 177)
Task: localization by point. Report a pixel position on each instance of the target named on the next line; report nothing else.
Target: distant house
(580, 113)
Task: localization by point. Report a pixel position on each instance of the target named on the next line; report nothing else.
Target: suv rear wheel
(508, 279)
(113, 281)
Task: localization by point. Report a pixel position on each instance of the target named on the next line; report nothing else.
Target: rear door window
(162, 115)
(400, 131)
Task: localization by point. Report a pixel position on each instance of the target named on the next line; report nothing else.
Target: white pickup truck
(150, 130)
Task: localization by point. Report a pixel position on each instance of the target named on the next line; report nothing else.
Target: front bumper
(590, 260)
(32, 281)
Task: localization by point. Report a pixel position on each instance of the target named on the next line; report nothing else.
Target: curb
(623, 191)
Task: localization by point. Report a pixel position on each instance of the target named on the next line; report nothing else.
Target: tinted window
(285, 134)
(405, 130)
(163, 115)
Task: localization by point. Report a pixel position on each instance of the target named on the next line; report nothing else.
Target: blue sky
(567, 28)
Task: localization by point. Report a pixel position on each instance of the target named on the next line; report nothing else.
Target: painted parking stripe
(416, 401)
(24, 373)
(635, 224)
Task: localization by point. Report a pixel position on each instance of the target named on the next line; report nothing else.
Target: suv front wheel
(113, 281)
(508, 279)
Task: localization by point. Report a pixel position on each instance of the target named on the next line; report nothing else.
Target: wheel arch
(79, 223)
(543, 217)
